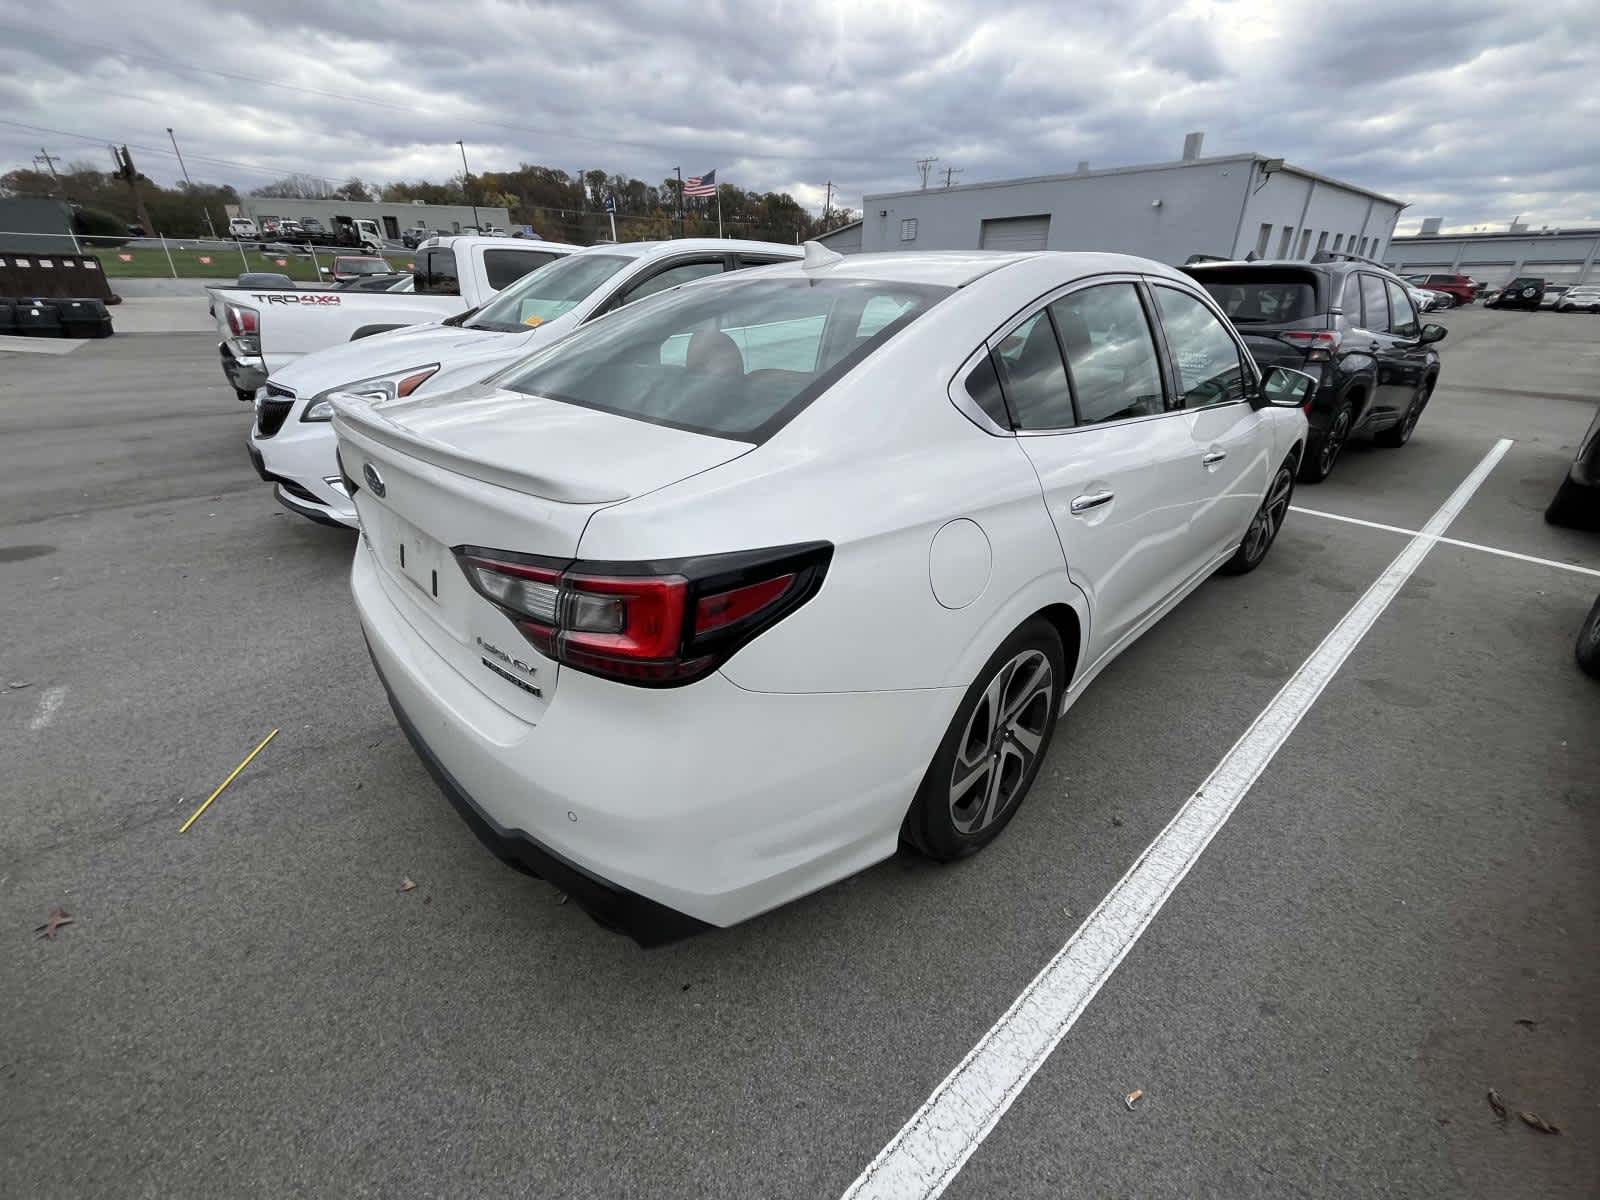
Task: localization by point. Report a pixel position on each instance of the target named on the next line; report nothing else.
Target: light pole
(466, 185)
(189, 181)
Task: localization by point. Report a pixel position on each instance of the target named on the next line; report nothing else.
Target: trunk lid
(501, 471)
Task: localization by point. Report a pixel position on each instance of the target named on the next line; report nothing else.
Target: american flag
(700, 185)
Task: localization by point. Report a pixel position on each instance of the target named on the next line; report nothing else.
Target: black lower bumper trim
(308, 511)
(642, 919)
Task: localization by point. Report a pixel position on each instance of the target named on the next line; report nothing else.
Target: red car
(1461, 287)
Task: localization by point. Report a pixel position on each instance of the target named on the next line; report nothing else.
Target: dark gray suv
(1347, 322)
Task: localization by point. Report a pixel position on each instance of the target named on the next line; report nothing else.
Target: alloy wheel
(998, 748)
(1269, 517)
(1334, 441)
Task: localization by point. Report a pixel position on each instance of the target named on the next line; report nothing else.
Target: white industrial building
(1564, 256)
(1232, 206)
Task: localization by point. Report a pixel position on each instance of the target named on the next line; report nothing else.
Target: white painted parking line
(1528, 558)
(921, 1160)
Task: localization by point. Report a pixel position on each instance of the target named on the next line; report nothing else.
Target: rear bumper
(661, 811)
(244, 372)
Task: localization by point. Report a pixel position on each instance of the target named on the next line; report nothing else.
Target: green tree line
(560, 206)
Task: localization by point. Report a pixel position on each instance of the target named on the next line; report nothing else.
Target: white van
(242, 227)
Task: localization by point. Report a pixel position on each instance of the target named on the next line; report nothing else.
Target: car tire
(1325, 446)
(1264, 526)
(1398, 435)
(1588, 647)
(984, 767)
(1572, 507)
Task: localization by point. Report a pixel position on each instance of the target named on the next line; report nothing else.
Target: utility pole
(827, 203)
(44, 156)
(466, 185)
(924, 165)
(950, 174)
(189, 181)
(679, 172)
(130, 175)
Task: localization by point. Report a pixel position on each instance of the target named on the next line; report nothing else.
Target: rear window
(735, 360)
(1267, 298)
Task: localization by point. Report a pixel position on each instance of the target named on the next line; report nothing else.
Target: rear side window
(983, 385)
(735, 360)
(1351, 300)
(507, 266)
(1374, 305)
(1207, 358)
(437, 273)
(671, 278)
(1110, 353)
(1035, 379)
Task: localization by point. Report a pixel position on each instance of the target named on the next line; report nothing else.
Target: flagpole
(679, 171)
(719, 210)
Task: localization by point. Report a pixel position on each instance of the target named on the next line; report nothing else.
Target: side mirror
(1282, 387)
(1432, 333)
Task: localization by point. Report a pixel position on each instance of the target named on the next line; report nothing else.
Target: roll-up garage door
(1015, 233)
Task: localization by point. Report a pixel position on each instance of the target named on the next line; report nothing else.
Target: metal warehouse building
(1232, 206)
(1565, 256)
(393, 218)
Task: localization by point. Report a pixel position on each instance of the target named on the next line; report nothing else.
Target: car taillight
(1319, 345)
(242, 320)
(657, 624)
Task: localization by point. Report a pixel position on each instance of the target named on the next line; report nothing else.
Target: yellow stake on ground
(184, 828)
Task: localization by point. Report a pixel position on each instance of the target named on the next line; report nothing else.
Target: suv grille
(270, 416)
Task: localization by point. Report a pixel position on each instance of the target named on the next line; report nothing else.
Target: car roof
(468, 241)
(957, 268)
(655, 249)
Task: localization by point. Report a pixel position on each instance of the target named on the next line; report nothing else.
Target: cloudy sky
(1475, 112)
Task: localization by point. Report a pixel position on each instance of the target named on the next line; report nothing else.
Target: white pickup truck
(291, 442)
(264, 331)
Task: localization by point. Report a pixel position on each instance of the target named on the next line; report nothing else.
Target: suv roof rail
(1323, 256)
(1205, 258)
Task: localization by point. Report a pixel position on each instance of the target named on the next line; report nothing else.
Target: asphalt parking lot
(1402, 913)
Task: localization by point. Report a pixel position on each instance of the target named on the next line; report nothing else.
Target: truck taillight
(242, 320)
(1319, 345)
(657, 624)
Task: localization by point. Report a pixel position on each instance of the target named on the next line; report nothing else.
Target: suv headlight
(394, 386)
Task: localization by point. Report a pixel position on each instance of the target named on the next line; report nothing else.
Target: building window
(1305, 243)
(1286, 241)
(1322, 241)
(1263, 238)
(1338, 240)
(908, 229)
(1363, 249)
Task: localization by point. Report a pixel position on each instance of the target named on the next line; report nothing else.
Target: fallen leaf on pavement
(1133, 1098)
(1535, 1121)
(407, 886)
(57, 918)
(1497, 1104)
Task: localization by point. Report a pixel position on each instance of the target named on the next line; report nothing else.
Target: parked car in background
(1349, 324)
(242, 228)
(1577, 500)
(264, 279)
(797, 503)
(1462, 289)
(1588, 647)
(1585, 297)
(1525, 291)
(292, 442)
(263, 332)
(394, 281)
(313, 228)
(355, 266)
(414, 237)
(1552, 295)
(1430, 301)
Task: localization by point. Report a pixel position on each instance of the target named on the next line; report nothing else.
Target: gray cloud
(1475, 112)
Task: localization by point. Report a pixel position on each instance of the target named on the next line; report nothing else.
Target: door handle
(1214, 457)
(1082, 504)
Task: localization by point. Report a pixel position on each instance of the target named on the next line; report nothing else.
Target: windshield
(547, 293)
(735, 359)
(1267, 302)
(362, 266)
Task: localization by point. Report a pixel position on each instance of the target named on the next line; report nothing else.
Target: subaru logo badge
(374, 480)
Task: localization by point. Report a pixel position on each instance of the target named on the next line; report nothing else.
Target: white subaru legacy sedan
(725, 597)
